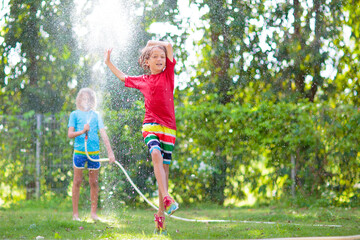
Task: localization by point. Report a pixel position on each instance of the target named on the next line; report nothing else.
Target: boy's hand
(86, 127)
(107, 56)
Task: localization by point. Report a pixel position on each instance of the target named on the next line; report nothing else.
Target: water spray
(187, 219)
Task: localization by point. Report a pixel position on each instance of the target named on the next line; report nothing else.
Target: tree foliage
(345, 86)
(257, 143)
(274, 81)
(277, 53)
(39, 55)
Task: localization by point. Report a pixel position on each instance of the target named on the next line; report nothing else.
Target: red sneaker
(170, 205)
(160, 225)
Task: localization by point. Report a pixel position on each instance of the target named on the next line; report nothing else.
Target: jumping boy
(159, 125)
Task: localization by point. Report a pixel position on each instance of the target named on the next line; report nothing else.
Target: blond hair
(86, 99)
(145, 55)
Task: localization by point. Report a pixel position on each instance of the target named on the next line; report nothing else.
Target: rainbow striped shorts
(159, 137)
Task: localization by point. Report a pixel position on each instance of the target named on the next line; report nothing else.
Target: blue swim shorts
(79, 161)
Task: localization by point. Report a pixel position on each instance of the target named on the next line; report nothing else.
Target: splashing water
(108, 25)
(100, 25)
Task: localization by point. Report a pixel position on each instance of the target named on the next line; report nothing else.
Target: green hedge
(228, 152)
(223, 154)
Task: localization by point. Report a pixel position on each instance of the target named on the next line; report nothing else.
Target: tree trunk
(221, 59)
(299, 75)
(317, 80)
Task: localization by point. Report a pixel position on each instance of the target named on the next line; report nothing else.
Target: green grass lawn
(52, 221)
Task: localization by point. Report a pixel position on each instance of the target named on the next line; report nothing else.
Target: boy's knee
(94, 184)
(77, 183)
(156, 156)
(156, 153)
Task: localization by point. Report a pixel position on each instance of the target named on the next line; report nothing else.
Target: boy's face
(157, 61)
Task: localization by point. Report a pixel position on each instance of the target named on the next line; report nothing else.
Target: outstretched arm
(167, 45)
(119, 74)
(105, 138)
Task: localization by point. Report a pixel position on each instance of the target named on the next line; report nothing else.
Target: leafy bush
(246, 150)
(223, 154)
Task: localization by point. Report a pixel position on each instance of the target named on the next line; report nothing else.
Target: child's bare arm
(167, 45)
(73, 134)
(105, 138)
(119, 74)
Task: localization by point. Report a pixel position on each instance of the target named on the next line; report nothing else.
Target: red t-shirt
(158, 90)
